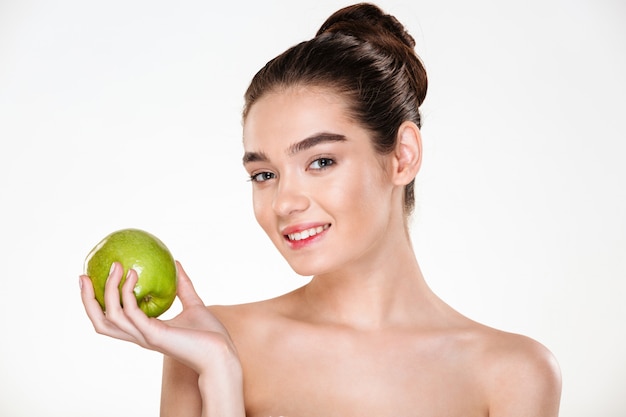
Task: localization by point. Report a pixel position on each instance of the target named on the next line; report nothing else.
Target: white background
(127, 114)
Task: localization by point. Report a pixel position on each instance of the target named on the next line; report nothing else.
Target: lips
(306, 233)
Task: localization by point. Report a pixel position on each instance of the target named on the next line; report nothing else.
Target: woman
(332, 146)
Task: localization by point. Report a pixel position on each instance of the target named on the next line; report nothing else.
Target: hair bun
(367, 22)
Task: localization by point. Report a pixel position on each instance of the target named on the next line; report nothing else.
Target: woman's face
(320, 190)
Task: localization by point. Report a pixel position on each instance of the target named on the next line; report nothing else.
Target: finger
(111, 289)
(116, 315)
(190, 299)
(185, 290)
(129, 300)
(150, 332)
(88, 296)
(132, 320)
(99, 321)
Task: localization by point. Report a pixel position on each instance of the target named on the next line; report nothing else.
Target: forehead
(294, 113)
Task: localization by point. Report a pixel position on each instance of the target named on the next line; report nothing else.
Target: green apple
(148, 256)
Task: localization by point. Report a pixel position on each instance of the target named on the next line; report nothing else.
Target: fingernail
(80, 283)
(112, 268)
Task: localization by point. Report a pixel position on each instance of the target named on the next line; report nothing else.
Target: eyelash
(327, 163)
(264, 174)
(323, 163)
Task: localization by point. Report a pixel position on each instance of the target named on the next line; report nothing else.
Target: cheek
(260, 209)
(258, 205)
(365, 186)
(264, 214)
(360, 196)
(376, 199)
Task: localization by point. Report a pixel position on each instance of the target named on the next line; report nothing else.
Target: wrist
(221, 389)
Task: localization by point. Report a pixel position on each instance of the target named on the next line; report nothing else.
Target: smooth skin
(198, 341)
(366, 336)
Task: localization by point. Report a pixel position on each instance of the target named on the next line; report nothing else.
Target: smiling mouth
(305, 234)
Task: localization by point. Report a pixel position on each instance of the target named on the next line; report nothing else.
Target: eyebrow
(297, 147)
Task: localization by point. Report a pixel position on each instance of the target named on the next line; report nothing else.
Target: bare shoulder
(245, 318)
(521, 376)
(510, 375)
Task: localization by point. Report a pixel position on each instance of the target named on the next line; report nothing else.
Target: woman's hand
(195, 337)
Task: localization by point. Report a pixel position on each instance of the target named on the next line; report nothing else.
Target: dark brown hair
(368, 57)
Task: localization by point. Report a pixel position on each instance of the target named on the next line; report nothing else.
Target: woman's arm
(180, 394)
(195, 339)
(183, 393)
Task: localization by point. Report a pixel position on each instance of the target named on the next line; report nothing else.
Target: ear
(408, 153)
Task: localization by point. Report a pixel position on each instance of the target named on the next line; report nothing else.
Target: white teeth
(307, 233)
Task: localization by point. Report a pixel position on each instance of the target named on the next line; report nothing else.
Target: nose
(289, 198)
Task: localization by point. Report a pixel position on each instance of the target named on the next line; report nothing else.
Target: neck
(387, 289)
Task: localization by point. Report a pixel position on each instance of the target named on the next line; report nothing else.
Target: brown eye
(321, 163)
(262, 176)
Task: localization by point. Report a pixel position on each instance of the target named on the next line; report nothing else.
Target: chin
(303, 270)
(307, 263)
(309, 268)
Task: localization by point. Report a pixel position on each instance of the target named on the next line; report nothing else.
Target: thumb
(185, 290)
